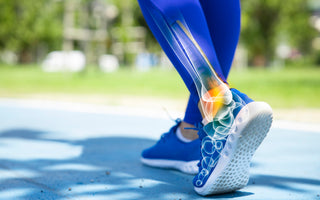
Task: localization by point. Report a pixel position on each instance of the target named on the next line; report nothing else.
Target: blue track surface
(57, 154)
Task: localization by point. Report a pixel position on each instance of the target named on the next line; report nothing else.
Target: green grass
(21, 80)
(285, 88)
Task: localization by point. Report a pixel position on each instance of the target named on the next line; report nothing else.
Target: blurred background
(101, 51)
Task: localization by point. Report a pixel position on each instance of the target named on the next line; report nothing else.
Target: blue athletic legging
(213, 24)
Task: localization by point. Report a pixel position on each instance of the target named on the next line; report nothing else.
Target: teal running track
(68, 151)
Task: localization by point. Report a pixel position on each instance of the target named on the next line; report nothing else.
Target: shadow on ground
(33, 167)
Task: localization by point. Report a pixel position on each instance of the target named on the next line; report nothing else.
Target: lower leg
(192, 117)
(182, 26)
(223, 19)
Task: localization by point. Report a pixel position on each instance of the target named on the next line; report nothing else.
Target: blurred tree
(29, 27)
(266, 23)
(34, 27)
(258, 28)
(130, 33)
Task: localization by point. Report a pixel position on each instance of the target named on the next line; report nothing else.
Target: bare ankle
(188, 133)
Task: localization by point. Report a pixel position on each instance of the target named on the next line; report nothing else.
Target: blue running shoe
(170, 152)
(228, 145)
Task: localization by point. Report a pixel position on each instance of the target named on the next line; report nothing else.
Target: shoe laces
(164, 136)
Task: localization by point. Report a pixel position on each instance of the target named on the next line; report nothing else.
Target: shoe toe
(147, 153)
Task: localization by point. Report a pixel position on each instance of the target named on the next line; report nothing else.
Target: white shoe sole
(232, 171)
(183, 166)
